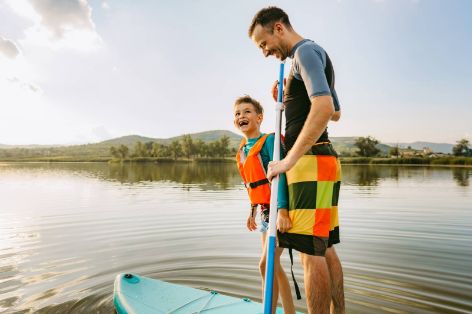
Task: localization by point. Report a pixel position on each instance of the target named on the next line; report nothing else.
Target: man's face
(271, 43)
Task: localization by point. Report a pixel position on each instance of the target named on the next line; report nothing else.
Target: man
(311, 164)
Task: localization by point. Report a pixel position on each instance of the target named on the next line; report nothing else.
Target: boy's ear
(260, 117)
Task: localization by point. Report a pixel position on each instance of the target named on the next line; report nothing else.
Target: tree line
(185, 147)
(367, 147)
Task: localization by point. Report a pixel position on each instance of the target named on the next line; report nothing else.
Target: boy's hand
(251, 223)
(283, 220)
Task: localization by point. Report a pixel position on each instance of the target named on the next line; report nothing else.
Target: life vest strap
(254, 185)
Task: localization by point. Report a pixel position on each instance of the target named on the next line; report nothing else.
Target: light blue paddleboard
(135, 294)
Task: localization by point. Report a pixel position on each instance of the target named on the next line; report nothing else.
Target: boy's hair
(267, 17)
(248, 99)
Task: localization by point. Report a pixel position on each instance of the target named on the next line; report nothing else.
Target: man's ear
(278, 28)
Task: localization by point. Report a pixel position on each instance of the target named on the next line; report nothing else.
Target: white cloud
(17, 77)
(65, 15)
(24, 9)
(23, 86)
(8, 48)
(65, 24)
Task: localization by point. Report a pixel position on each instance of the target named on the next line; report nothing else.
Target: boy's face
(246, 119)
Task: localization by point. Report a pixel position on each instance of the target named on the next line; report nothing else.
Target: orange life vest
(253, 173)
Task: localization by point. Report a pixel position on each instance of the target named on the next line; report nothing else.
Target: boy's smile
(247, 120)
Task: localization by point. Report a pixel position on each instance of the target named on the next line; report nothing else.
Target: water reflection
(364, 175)
(212, 175)
(208, 176)
(461, 175)
(66, 230)
(221, 176)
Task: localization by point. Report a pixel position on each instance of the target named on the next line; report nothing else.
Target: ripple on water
(406, 241)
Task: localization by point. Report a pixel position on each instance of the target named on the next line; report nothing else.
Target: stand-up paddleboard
(140, 295)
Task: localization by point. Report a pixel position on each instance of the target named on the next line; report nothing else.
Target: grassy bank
(57, 159)
(445, 161)
(168, 159)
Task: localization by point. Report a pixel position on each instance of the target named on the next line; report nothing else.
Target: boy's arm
(283, 219)
(282, 195)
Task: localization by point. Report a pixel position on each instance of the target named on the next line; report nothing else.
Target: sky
(78, 71)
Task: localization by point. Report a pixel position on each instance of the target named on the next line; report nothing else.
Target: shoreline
(366, 161)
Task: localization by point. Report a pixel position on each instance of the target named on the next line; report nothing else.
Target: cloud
(23, 85)
(8, 48)
(65, 15)
(105, 5)
(58, 24)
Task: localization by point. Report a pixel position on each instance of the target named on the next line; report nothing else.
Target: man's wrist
(289, 162)
(283, 211)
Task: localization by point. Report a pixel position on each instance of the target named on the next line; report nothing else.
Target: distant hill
(344, 145)
(435, 147)
(210, 136)
(128, 140)
(102, 149)
(207, 136)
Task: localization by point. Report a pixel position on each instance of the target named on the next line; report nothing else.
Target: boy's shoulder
(270, 138)
(269, 142)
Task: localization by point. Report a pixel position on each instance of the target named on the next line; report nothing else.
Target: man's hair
(267, 17)
(248, 99)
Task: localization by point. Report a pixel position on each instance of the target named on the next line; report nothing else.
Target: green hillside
(128, 140)
(207, 136)
(97, 151)
(102, 149)
(210, 136)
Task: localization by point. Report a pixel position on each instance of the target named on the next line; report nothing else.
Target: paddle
(269, 277)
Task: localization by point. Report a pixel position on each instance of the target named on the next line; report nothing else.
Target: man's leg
(337, 282)
(317, 283)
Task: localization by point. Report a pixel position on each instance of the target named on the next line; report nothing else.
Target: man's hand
(251, 223)
(336, 116)
(277, 167)
(275, 89)
(283, 220)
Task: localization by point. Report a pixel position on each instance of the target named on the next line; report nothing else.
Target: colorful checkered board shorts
(313, 193)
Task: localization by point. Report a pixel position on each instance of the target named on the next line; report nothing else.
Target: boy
(254, 154)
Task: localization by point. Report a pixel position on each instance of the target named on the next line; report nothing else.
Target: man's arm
(321, 111)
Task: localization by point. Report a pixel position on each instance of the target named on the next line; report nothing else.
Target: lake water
(66, 230)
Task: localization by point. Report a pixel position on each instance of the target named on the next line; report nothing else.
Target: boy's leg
(317, 283)
(262, 270)
(337, 282)
(284, 286)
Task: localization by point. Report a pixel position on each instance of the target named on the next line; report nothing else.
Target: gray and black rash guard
(311, 75)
